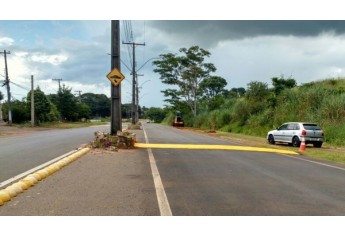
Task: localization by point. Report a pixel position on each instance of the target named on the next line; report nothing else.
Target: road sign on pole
(116, 121)
(115, 77)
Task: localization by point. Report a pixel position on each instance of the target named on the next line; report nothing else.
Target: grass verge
(326, 153)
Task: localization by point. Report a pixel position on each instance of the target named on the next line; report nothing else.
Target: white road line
(315, 162)
(162, 199)
(15, 178)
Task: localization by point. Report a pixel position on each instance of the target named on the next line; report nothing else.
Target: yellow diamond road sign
(115, 77)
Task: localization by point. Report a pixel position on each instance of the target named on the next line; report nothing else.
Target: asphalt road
(20, 153)
(213, 182)
(195, 182)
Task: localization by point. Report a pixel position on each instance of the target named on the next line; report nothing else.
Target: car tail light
(323, 133)
(304, 132)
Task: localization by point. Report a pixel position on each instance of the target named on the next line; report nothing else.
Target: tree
(67, 104)
(279, 84)
(1, 96)
(83, 110)
(257, 91)
(42, 105)
(156, 114)
(257, 97)
(237, 92)
(20, 112)
(213, 86)
(186, 72)
(99, 104)
(126, 110)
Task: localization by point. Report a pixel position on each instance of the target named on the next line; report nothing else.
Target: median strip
(14, 189)
(212, 147)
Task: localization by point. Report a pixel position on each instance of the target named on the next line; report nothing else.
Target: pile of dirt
(123, 140)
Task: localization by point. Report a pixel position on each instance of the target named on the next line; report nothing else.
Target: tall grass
(321, 102)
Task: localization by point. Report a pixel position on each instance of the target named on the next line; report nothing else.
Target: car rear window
(311, 127)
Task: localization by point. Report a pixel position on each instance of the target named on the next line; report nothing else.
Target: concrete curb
(14, 189)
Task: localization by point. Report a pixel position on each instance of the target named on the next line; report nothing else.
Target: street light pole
(153, 58)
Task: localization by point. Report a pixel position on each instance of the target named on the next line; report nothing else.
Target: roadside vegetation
(61, 110)
(200, 95)
(262, 109)
(252, 111)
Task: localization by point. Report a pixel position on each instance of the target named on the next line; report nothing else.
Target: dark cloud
(211, 32)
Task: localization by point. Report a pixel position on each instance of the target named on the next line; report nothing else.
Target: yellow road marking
(212, 147)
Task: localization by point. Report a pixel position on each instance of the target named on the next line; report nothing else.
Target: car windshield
(311, 127)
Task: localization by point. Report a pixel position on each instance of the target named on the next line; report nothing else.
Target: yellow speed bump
(212, 147)
(42, 173)
(4, 196)
(13, 190)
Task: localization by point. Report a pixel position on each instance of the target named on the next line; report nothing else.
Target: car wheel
(296, 142)
(271, 139)
(317, 144)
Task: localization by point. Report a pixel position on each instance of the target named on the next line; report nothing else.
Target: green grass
(327, 154)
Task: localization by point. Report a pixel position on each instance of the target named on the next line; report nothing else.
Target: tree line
(63, 105)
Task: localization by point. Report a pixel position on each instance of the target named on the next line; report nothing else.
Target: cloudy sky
(242, 51)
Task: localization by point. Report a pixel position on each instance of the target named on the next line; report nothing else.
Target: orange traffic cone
(302, 146)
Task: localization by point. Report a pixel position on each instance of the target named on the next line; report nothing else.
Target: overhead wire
(127, 33)
(143, 48)
(20, 86)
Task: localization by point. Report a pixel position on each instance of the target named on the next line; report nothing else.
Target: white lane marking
(162, 199)
(315, 162)
(15, 178)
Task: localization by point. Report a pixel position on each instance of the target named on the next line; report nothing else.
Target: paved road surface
(243, 183)
(196, 182)
(20, 153)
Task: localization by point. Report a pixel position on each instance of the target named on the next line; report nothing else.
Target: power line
(127, 32)
(126, 65)
(20, 86)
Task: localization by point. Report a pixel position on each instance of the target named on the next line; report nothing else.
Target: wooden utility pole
(116, 119)
(7, 82)
(137, 98)
(59, 81)
(32, 102)
(134, 80)
(79, 94)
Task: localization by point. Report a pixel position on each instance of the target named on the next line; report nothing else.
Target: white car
(292, 133)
